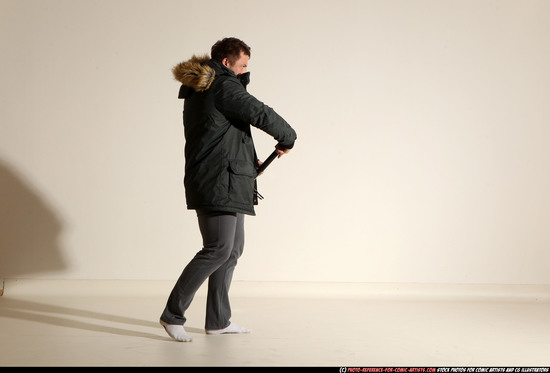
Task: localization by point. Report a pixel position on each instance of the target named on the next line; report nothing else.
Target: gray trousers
(223, 243)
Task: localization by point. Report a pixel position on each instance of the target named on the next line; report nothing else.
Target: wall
(422, 153)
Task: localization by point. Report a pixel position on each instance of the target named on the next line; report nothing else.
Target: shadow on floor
(65, 317)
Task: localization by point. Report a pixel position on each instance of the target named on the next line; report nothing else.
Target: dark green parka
(220, 159)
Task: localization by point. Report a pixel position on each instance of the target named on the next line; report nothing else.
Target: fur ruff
(195, 73)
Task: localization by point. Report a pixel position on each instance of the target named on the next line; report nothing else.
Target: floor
(89, 326)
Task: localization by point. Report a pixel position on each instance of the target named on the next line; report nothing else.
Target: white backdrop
(422, 152)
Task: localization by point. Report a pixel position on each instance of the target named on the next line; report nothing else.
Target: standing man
(220, 176)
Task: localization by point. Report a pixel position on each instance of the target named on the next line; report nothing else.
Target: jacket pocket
(242, 175)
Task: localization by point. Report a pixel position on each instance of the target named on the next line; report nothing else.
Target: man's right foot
(177, 332)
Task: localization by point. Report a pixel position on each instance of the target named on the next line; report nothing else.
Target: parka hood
(198, 73)
(195, 73)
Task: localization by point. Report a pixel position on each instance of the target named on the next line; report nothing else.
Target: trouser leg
(218, 233)
(218, 308)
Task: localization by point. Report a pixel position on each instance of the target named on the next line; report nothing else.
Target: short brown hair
(230, 48)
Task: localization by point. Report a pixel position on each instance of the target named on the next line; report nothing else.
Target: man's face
(240, 66)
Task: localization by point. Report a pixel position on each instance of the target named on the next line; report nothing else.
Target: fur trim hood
(195, 73)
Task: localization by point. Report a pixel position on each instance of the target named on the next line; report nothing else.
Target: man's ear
(225, 62)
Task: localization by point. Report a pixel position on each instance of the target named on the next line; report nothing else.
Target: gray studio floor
(96, 326)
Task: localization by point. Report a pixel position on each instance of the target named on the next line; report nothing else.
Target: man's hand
(258, 164)
(281, 152)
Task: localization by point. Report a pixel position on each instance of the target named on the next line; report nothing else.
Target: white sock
(177, 332)
(232, 328)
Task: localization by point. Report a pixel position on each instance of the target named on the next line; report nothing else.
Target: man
(220, 176)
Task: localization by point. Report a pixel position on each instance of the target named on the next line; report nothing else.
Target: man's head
(232, 53)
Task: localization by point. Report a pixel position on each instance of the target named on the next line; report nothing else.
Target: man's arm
(234, 101)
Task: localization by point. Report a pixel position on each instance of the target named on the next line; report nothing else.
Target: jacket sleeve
(233, 101)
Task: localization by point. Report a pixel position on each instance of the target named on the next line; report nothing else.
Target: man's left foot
(231, 329)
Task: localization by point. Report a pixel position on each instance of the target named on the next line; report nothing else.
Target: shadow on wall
(29, 229)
